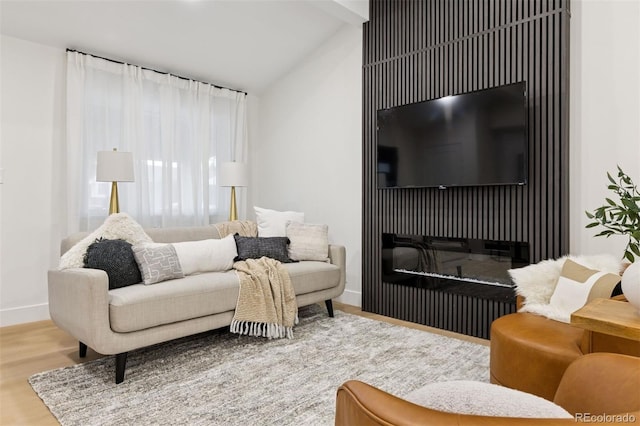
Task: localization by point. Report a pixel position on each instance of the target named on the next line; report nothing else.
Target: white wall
(604, 111)
(32, 87)
(307, 153)
(306, 141)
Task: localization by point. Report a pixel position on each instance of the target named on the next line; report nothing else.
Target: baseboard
(350, 297)
(24, 314)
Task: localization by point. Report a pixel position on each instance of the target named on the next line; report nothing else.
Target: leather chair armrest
(601, 383)
(358, 403)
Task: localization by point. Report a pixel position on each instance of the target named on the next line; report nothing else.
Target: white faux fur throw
(116, 226)
(537, 282)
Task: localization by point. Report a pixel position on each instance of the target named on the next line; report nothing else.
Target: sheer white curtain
(178, 131)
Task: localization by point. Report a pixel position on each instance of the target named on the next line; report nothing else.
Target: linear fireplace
(424, 260)
(464, 281)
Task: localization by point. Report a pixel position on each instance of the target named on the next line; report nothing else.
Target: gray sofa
(113, 322)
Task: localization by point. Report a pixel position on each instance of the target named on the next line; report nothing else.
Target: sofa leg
(121, 364)
(329, 304)
(82, 350)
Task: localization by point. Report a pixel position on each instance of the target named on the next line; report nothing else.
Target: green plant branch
(620, 218)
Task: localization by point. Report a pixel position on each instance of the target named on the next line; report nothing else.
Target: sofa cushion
(138, 306)
(115, 257)
(311, 276)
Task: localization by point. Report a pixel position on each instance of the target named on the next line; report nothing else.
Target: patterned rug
(218, 378)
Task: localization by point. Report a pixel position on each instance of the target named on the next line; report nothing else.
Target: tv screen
(471, 139)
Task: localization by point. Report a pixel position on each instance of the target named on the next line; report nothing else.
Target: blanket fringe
(261, 329)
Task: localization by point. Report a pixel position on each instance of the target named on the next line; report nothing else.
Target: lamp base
(233, 211)
(114, 206)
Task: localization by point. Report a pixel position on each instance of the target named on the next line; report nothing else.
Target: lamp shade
(233, 174)
(114, 166)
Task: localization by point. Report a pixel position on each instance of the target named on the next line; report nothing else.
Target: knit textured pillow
(158, 262)
(257, 247)
(115, 257)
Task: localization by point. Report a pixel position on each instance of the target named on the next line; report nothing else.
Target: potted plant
(623, 218)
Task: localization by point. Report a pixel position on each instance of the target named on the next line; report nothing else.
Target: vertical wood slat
(415, 51)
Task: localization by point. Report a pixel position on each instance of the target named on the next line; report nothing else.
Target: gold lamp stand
(232, 174)
(233, 210)
(114, 205)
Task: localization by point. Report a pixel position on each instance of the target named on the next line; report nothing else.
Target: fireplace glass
(473, 261)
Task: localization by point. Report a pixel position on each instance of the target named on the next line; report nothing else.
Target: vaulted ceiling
(241, 44)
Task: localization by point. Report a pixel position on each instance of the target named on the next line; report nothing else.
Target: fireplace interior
(472, 267)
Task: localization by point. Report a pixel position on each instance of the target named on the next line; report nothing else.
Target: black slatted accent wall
(420, 50)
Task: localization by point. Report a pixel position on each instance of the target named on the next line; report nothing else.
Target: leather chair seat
(592, 386)
(530, 353)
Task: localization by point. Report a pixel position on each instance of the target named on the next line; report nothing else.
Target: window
(177, 130)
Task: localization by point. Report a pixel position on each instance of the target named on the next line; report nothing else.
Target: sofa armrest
(79, 304)
(358, 403)
(338, 257)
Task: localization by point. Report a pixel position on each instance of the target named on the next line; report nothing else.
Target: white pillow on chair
(537, 282)
(484, 399)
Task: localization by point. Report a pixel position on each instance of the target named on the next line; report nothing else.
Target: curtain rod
(159, 72)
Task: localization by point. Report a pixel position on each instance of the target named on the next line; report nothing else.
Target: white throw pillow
(116, 226)
(272, 223)
(484, 399)
(214, 255)
(308, 241)
(576, 286)
(537, 282)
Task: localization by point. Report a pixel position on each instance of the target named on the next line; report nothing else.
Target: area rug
(220, 378)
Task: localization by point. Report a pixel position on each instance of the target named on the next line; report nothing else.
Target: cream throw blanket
(244, 228)
(267, 303)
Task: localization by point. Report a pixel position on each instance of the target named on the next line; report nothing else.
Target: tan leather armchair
(594, 384)
(530, 353)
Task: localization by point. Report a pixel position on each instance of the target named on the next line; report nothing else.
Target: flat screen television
(471, 139)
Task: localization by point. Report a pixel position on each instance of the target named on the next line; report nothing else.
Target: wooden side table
(608, 316)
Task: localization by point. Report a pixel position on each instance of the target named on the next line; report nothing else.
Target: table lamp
(114, 166)
(233, 174)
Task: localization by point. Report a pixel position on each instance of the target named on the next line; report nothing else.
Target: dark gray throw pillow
(115, 257)
(257, 247)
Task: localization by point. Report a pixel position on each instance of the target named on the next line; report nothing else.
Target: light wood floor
(27, 349)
